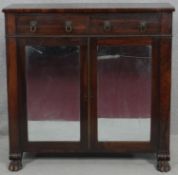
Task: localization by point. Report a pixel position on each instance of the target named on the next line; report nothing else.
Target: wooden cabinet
(89, 79)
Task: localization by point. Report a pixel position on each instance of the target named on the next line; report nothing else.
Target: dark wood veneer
(126, 27)
(52, 24)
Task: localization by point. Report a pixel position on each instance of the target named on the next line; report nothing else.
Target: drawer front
(94, 24)
(52, 24)
(129, 24)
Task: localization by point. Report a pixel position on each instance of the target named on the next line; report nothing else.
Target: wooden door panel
(124, 89)
(53, 75)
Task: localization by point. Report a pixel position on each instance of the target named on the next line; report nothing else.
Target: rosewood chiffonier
(89, 79)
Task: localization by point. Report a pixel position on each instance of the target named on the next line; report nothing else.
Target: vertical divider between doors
(93, 93)
(89, 91)
(83, 94)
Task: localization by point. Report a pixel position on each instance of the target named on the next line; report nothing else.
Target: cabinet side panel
(12, 81)
(165, 87)
(13, 102)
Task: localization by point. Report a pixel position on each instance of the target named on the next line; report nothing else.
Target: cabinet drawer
(52, 24)
(130, 24)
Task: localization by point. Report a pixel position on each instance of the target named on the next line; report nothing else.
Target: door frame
(53, 146)
(125, 146)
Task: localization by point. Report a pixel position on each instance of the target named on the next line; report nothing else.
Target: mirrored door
(123, 83)
(55, 93)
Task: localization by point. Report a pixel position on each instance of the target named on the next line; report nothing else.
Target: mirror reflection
(124, 93)
(53, 93)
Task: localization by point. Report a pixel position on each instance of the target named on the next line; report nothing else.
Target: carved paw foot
(163, 166)
(15, 165)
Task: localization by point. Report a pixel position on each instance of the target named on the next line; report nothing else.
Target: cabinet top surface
(89, 7)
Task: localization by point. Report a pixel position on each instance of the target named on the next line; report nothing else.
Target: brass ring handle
(33, 26)
(107, 26)
(68, 26)
(143, 26)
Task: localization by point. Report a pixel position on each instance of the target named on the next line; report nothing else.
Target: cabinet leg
(15, 162)
(163, 162)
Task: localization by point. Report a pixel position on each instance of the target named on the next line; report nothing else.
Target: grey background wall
(3, 87)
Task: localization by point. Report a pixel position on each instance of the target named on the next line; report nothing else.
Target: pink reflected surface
(122, 90)
(53, 85)
(124, 82)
